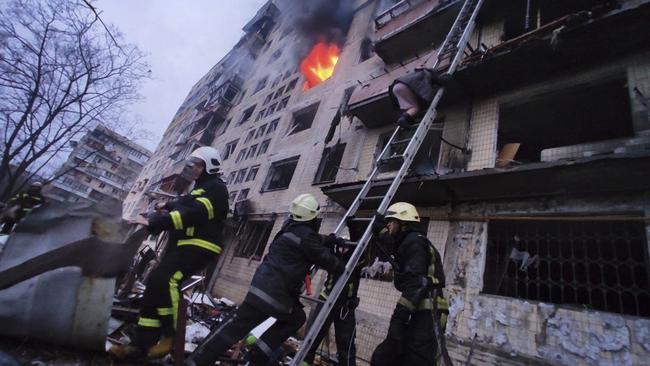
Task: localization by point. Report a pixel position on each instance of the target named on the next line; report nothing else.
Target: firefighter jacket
(198, 218)
(420, 271)
(278, 281)
(352, 287)
(25, 202)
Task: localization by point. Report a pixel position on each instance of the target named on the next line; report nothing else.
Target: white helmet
(304, 208)
(210, 156)
(402, 211)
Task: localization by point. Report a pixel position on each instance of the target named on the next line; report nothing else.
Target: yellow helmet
(304, 208)
(402, 211)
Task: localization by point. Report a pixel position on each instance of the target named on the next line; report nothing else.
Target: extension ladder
(451, 51)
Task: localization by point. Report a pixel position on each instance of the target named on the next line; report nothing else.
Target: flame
(319, 64)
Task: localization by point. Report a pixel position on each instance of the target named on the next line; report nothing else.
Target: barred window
(599, 265)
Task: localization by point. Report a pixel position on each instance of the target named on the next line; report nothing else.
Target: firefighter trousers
(410, 340)
(342, 315)
(159, 307)
(239, 325)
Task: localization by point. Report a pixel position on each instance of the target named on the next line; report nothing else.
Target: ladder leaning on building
(448, 58)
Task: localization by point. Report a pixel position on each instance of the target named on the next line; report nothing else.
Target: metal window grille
(599, 265)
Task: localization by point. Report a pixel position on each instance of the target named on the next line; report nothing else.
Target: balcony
(412, 27)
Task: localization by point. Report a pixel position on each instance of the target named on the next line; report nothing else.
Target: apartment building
(101, 167)
(533, 182)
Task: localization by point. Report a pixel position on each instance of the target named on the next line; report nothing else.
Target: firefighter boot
(126, 352)
(162, 348)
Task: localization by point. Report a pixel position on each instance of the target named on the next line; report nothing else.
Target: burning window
(280, 174)
(230, 149)
(303, 119)
(599, 265)
(252, 173)
(252, 242)
(329, 164)
(564, 124)
(264, 146)
(319, 64)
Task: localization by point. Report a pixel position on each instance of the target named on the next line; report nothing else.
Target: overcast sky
(184, 39)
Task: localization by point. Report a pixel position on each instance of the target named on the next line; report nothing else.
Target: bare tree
(62, 70)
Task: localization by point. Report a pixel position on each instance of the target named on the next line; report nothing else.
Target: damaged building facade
(101, 167)
(533, 182)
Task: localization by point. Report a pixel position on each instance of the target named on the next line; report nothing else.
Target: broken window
(329, 164)
(268, 99)
(303, 119)
(283, 103)
(260, 131)
(252, 242)
(241, 175)
(280, 174)
(261, 84)
(230, 149)
(249, 135)
(273, 126)
(252, 173)
(426, 159)
(242, 154)
(365, 50)
(599, 265)
(243, 194)
(292, 84)
(522, 16)
(247, 114)
(559, 125)
(251, 151)
(263, 147)
(222, 127)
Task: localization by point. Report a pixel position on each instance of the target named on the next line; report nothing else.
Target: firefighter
(195, 222)
(342, 314)
(413, 93)
(275, 288)
(19, 206)
(420, 278)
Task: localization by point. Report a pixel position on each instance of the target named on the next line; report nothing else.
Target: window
(243, 194)
(114, 166)
(292, 84)
(283, 103)
(247, 115)
(222, 127)
(329, 164)
(287, 74)
(241, 175)
(280, 174)
(88, 179)
(115, 190)
(599, 265)
(252, 242)
(230, 149)
(261, 84)
(278, 93)
(365, 50)
(260, 115)
(275, 55)
(252, 173)
(102, 185)
(303, 119)
(271, 109)
(268, 99)
(260, 131)
(249, 135)
(273, 126)
(251, 151)
(231, 197)
(276, 81)
(240, 157)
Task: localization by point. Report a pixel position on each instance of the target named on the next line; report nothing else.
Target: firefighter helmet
(210, 156)
(402, 211)
(304, 208)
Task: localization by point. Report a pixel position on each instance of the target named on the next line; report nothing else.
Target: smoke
(323, 21)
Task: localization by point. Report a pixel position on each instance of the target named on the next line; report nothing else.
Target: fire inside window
(319, 64)
(599, 265)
